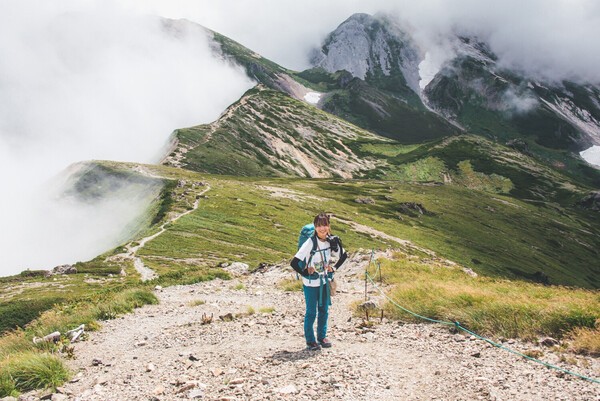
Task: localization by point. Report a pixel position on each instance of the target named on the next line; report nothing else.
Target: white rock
(100, 380)
(196, 394)
(238, 267)
(289, 389)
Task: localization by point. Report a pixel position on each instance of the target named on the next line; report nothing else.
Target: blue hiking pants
(311, 297)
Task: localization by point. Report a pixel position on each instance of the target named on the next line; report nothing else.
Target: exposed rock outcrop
(369, 46)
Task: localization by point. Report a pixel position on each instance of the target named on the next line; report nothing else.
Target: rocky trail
(253, 349)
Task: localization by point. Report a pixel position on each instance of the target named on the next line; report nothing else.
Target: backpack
(306, 232)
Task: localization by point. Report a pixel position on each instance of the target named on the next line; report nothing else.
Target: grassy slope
(491, 233)
(533, 231)
(385, 112)
(24, 297)
(261, 133)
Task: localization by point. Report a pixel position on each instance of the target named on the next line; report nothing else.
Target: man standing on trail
(313, 262)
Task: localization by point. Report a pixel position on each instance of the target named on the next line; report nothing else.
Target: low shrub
(489, 306)
(290, 285)
(585, 341)
(30, 371)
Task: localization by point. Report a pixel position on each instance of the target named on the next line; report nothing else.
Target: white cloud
(88, 80)
(553, 37)
(518, 103)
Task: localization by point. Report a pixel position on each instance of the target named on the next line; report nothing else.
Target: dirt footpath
(165, 352)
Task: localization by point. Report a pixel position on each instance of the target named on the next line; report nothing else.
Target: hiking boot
(313, 346)
(325, 343)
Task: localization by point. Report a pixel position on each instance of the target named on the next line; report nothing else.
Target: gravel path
(164, 352)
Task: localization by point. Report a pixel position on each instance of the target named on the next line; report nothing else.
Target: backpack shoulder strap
(313, 250)
(314, 244)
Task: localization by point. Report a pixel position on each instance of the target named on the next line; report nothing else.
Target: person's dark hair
(322, 219)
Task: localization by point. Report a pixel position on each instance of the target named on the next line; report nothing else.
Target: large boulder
(591, 201)
(64, 269)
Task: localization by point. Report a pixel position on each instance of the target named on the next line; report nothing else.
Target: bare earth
(164, 352)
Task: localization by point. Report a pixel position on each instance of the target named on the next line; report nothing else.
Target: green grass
(25, 366)
(472, 179)
(30, 371)
(17, 313)
(493, 234)
(290, 285)
(25, 300)
(488, 306)
(197, 302)
(388, 149)
(427, 169)
(247, 141)
(405, 120)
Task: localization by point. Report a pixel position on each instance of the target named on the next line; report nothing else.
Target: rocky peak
(370, 47)
(473, 47)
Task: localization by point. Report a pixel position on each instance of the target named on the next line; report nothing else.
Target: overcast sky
(92, 79)
(555, 37)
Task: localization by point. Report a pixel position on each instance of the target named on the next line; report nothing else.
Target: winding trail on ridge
(145, 272)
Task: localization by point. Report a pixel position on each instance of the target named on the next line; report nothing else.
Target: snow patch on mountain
(428, 69)
(592, 155)
(312, 97)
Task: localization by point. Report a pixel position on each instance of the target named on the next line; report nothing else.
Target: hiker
(313, 262)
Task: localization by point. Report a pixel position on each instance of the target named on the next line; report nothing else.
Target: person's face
(322, 231)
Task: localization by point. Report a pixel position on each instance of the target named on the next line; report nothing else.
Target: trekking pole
(367, 273)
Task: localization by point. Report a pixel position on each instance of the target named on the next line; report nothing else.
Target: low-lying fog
(83, 81)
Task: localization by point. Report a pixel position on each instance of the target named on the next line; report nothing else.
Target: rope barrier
(460, 327)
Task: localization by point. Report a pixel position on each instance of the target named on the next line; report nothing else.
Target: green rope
(458, 326)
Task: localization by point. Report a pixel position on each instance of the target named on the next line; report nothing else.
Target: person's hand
(311, 270)
(334, 242)
(329, 268)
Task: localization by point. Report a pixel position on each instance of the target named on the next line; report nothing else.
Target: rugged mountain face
(474, 91)
(380, 90)
(372, 49)
(385, 102)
